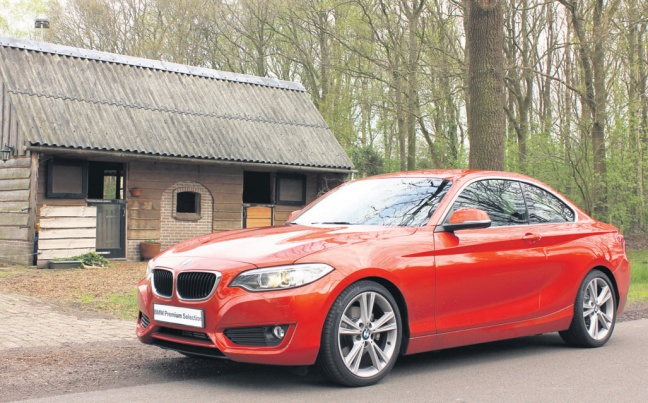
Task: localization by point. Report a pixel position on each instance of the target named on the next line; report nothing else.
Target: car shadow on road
(477, 354)
(250, 377)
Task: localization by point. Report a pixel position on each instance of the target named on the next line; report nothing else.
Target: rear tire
(362, 336)
(594, 312)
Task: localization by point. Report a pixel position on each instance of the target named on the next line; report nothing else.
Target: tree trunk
(636, 88)
(413, 14)
(486, 125)
(400, 120)
(600, 99)
(592, 60)
(546, 93)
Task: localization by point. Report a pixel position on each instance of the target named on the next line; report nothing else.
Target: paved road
(532, 369)
(28, 322)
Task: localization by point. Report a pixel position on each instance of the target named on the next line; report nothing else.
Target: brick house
(106, 151)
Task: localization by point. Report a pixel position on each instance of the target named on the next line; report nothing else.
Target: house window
(67, 179)
(186, 205)
(188, 202)
(105, 180)
(291, 189)
(257, 187)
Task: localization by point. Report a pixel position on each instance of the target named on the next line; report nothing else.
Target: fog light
(279, 332)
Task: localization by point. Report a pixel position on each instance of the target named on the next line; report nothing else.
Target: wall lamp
(7, 152)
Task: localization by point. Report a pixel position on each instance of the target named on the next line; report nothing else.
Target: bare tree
(484, 26)
(592, 52)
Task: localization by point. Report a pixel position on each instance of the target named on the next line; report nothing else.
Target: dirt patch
(75, 290)
(636, 241)
(634, 311)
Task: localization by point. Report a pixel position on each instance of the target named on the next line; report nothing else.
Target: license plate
(179, 316)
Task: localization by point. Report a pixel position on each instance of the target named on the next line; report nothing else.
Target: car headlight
(281, 277)
(149, 269)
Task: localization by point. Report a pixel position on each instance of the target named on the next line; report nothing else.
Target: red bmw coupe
(391, 265)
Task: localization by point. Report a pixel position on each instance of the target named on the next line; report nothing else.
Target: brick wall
(149, 217)
(173, 227)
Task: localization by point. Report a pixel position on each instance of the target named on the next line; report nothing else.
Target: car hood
(272, 246)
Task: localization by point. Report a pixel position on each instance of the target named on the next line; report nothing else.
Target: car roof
(456, 174)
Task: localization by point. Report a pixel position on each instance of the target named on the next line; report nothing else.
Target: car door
(493, 275)
(563, 241)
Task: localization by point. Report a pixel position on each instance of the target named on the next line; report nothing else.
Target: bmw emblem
(186, 262)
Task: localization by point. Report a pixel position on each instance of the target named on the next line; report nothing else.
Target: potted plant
(149, 248)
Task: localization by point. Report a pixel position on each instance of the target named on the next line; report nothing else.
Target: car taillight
(621, 240)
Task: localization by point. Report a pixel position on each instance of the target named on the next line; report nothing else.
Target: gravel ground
(634, 311)
(41, 372)
(45, 371)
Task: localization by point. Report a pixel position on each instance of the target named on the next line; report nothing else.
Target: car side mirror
(293, 215)
(466, 218)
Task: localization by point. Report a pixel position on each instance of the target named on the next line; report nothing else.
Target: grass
(119, 304)
(122, 304)
(639, 275)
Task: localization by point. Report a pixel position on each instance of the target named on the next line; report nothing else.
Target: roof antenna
(42, 22)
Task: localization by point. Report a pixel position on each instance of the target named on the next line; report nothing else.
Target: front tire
(362, 335)
(594, 312)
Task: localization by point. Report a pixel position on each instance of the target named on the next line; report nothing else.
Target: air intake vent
(144, 320)
(196, 285)
(163, 283)
(254, 336)
(185, 333)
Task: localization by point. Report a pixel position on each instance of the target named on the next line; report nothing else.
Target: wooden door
(257, 216)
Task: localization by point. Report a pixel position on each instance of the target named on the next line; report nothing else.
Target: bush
(88, 259)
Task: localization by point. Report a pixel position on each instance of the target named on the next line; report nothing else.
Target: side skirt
(551, 323)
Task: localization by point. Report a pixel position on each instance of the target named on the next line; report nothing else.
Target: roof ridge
(163, 109)
(68, 51)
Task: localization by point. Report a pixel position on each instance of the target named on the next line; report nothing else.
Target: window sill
(187, 216)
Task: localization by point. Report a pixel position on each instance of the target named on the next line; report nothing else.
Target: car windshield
(380, 201)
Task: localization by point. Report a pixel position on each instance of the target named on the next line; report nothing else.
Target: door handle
(531, 238)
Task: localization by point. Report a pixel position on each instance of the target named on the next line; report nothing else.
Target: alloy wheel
(368, 331)
(598, 308)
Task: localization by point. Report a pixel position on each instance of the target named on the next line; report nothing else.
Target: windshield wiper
(332, 222)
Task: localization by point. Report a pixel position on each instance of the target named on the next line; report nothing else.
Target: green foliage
(638, 292)
(392, 165)
(367, 161)
(639, 275)
(87, 259)
(17, 17)
(639, 265)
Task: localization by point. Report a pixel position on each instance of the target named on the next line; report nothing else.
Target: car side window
(544, 207)
(501, 199)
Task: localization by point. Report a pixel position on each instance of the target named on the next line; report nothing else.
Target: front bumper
(234, 316)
